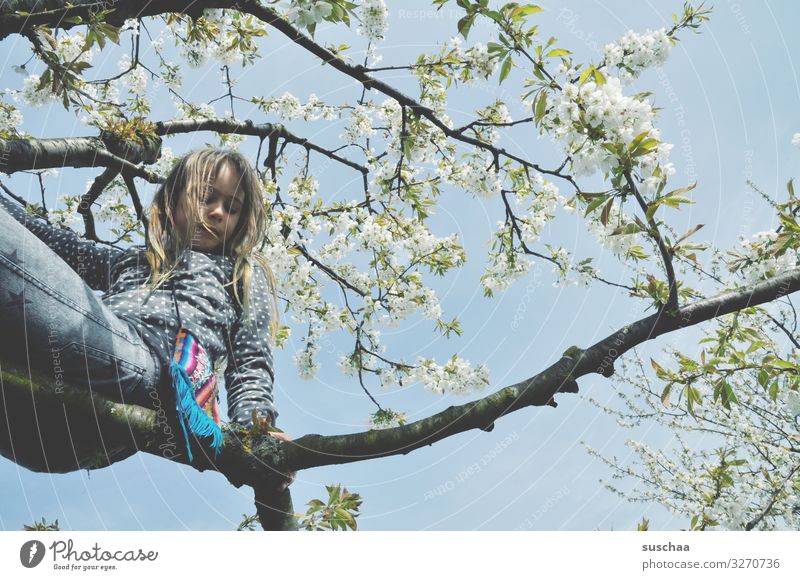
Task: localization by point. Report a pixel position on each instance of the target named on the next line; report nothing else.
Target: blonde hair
(190, 178)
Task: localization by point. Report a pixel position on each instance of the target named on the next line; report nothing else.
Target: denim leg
(54, 323)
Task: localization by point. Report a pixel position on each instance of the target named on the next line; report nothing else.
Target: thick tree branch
(54, 12)
(257, 460)
(105, 151)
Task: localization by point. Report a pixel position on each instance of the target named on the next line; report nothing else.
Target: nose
(215, 211)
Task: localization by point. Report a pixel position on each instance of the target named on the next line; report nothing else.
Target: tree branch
(88, 198)
(54, 12)
(263, 130)
(666, 255)
(104, 151)
(258, 460)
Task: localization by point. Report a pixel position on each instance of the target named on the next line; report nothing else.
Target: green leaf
(110, 31)
(465, 24)
(585, 75)
(493, 47)
(660, 371)
(599, 78)
(540, 108)
(682, 190)
(638, 139)
(527, 10)
(665, 395)
(645, 147)
(627, 229)
(651, 210)
(558, 52)
(506, 68)
(692, 398)
(604, 215)
(597, 202)
(784, 364)
(689, 233)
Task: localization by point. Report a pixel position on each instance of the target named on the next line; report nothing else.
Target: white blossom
(456, 376)
(634, 52)
(360, 125)
(34, 97)
(10, 118)
(69, 48)
(304, 13)
(304, 360)
(373, 15)
(136, 79)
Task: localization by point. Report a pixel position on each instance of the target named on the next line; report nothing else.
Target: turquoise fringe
(189, 412)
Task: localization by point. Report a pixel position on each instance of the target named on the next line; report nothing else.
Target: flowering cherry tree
(362, 262)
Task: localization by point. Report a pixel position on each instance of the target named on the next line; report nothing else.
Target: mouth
(207, 233)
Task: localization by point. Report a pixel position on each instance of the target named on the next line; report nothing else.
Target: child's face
(220, 212)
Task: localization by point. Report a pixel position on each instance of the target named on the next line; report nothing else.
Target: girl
(198, 273)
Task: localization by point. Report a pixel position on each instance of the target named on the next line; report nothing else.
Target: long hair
(190, 180)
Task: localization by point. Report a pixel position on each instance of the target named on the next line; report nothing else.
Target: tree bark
(47, 429)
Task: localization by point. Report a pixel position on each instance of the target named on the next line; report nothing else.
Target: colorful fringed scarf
(195, 384)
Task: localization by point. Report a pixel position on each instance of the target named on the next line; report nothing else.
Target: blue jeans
(55, 324)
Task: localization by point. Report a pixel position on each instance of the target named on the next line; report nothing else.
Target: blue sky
(729, 101)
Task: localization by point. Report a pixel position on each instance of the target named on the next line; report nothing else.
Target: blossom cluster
(69, 48)
(408, 295)
(427, 144)
(33, 95)
(477, 175)
(289, 107)
(188, 110)
(608, 234)
(305, 13)
(584, 119)
(393, 293)
(456, 376)
(164, 163)
(571, 273)
(10, 118)
(302, 188)
(476, 61)
(539, 199)
(536, 199)
(635, 52)
(373, 15)
(226, 38)
(360, 125)
(66, 216)
(757, 261)
(504, 267)
(135, 80)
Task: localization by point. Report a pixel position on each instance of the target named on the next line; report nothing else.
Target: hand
(283, 486)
